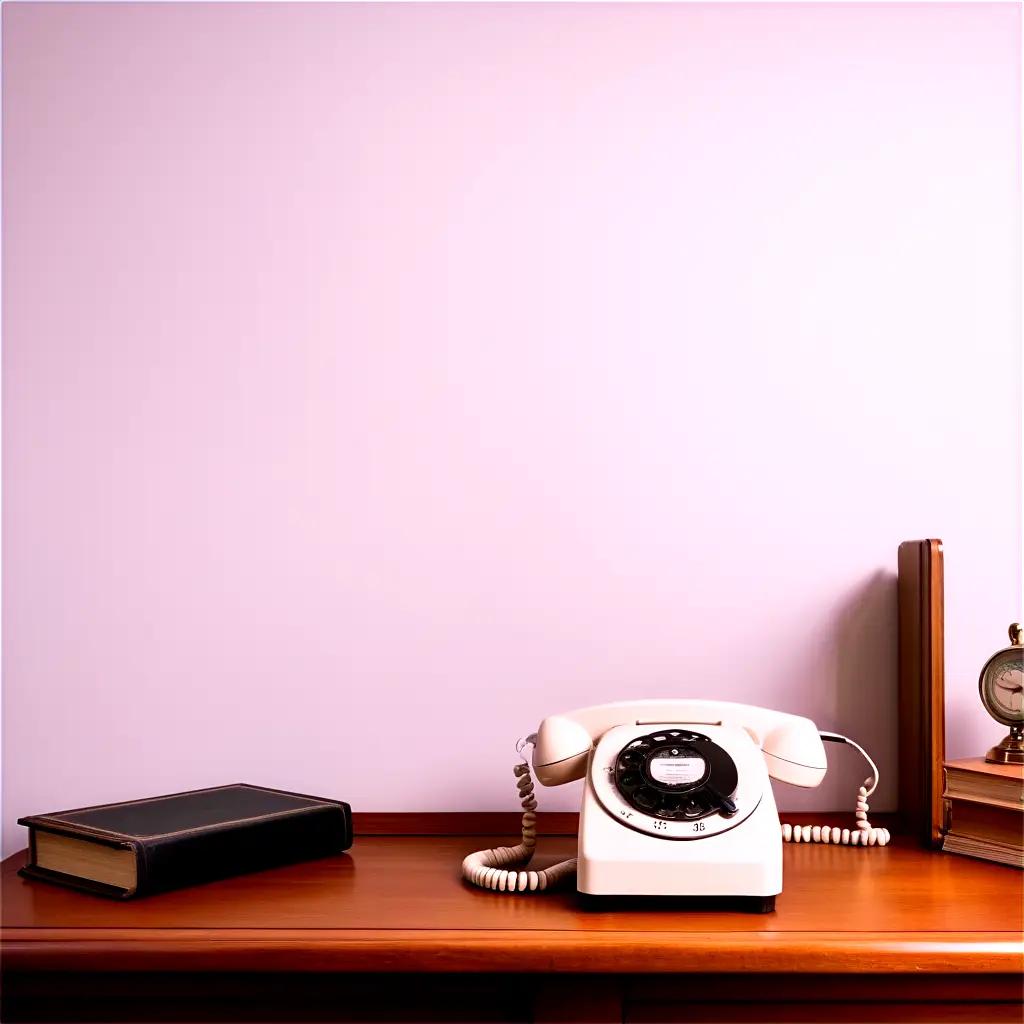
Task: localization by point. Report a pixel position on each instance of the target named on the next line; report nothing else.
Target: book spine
(205, 855)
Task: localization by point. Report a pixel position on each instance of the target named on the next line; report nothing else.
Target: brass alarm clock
(1001, 686)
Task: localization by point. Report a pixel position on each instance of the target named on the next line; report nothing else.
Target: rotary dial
(677, 775)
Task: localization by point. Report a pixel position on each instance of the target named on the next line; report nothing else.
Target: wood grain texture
(922, 736)
(549, 823)
(461, 823)
(398, 904)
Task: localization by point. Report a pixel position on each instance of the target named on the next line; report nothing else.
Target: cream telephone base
(677, 802)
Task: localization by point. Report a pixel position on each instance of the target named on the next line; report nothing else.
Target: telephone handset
(677, 799)
(791, 745)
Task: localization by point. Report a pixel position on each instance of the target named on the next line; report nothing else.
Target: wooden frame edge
(921, 691)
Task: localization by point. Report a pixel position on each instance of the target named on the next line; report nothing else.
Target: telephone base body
(615, 859)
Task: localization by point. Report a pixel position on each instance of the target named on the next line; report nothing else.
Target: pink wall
(378, 379)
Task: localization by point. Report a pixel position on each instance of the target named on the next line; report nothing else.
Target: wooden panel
(886, 988)
(816, 1013)
(481, 997)
(850, 998)
(921, 688)
(248, 998)
(549, 823)
(444, 951)
(825, 997)
(398, 904)
(462, 823)
(575, 1000)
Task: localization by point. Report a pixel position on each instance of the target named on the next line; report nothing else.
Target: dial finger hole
(646, 798)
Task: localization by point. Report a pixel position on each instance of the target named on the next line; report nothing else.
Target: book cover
(139, 847)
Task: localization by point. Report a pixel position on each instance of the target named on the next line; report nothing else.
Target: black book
(144, 846)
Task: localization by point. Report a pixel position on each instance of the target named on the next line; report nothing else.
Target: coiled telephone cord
(865, 834)
(490, 869)
(487, 868)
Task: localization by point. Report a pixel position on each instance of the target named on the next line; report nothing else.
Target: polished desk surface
(397, 903)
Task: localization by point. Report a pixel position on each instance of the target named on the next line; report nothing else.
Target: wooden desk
(390, 932)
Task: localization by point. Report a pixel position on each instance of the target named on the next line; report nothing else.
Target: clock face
(1002, 686)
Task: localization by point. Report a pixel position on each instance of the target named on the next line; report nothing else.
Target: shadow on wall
(861, 646)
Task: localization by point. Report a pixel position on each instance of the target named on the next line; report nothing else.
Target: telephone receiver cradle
(677, 800)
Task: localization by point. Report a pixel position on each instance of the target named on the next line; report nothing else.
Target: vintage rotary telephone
(677, 800)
